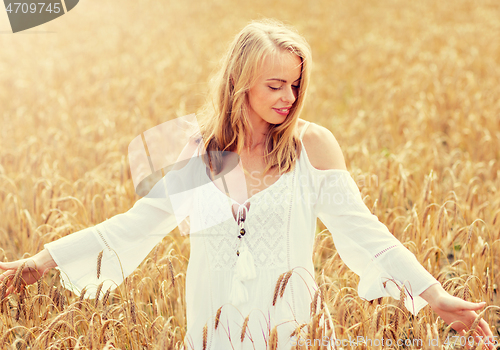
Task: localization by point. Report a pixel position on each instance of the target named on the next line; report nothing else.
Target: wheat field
(410, 90)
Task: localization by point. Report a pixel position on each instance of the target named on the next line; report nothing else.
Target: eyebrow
(282, 80)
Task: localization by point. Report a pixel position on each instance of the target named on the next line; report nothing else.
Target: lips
(282, 111)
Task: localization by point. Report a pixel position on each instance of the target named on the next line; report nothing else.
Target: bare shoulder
(322, 148)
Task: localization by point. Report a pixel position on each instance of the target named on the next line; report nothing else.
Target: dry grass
(410, 90)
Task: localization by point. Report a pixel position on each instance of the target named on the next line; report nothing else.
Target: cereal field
(410, 90)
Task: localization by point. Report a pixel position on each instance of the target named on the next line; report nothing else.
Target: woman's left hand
(459, 313)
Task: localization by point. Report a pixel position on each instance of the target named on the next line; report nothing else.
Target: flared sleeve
(365, 244)
(125, 239)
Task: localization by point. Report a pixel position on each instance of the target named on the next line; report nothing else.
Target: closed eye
(293, 86)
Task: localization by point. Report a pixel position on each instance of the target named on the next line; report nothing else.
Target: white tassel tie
(245, 265)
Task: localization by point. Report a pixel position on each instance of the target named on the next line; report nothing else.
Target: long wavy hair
(224, 120)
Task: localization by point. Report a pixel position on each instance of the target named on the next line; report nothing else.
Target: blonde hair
(224, 122)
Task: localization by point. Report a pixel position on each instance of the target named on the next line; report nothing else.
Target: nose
(288, 95)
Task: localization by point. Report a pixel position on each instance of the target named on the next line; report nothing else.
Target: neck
(259, 130)
(254, 147)
(256, 142)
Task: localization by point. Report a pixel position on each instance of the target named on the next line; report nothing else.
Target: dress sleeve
(365, 244)
(125, 239)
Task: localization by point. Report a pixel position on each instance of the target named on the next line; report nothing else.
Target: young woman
(257, 221)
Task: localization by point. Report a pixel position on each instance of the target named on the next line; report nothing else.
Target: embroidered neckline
(250, 199)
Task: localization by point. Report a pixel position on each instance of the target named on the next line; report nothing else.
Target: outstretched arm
(123, 241)
(363, 241)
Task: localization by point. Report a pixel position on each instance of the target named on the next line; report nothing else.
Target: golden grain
(205, 332)
(99, 261)
(375, 322)
(97, 294)
(466, 291)
(39, 286)
(277, 288)
(55, 296)
(5, 284)
(217, 317)
(469, 234)
(17, 277)
(273, 339)
(414, 105)
(106, 296)
(285, 282)
(171, 272)
(244, 328)
(53, 282)
(82, 296)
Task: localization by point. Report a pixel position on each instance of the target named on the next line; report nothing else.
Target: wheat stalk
(273, 339)
(17, 277)
(205, 332)
(97, 294)
(285, 282)
(99, 261)
(217, 317)
(277, 288)
(244, 328)
(171, 271)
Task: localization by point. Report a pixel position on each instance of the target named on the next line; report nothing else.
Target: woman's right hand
(34, 268)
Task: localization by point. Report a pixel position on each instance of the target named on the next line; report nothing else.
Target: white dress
(280, 226)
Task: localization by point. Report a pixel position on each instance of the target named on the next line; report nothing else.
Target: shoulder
(322, 148)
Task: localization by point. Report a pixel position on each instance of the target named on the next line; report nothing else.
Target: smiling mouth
(282, 110)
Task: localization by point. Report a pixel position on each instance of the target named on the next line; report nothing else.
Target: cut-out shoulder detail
(323, 150)
(319, 171)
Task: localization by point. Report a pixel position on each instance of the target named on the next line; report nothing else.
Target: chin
(277, 120)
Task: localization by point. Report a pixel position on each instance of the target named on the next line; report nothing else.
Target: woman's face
(276, 88)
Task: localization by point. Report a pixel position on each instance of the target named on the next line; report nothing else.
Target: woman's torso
(280, 226)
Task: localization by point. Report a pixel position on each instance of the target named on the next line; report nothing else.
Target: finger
(9, 290)
(481, 335)
(478, 330)
(477, 337)
(487, 334)
(485, 328)
(6, 274)
(482, 344)
(8, 265)
(476, 333)
(467, 305)
(488, 343)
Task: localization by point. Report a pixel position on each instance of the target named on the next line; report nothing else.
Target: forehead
(282, 65)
